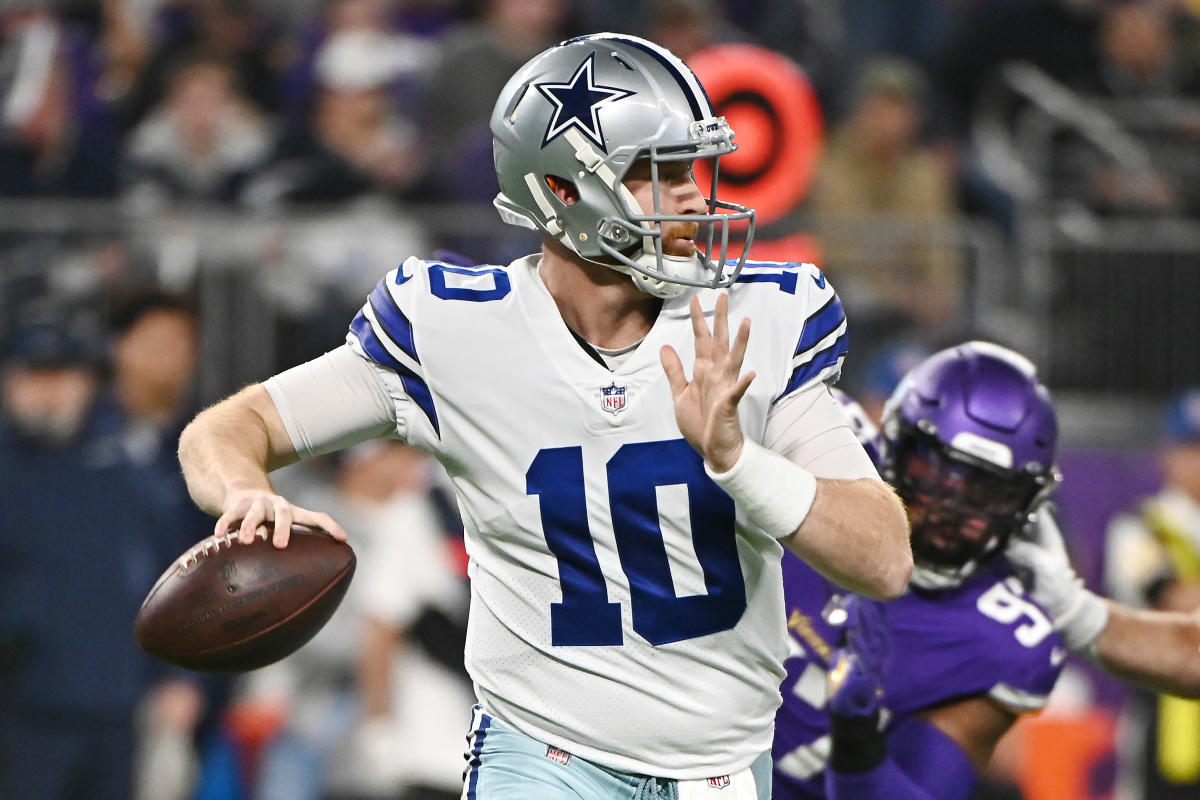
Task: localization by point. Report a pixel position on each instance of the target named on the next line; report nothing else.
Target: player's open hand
(249, 510)
(706, 406)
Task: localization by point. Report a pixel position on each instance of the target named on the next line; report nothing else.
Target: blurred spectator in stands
(918, 31)
(155, 348)
(320, 267)
(687, 26)
(883, 206)
(56, 138)
(1141, 68)
(359, 148)
(1152, 560)
(120, 35)
(357, 142)
(81, 542)
(1140, 57)
(1057, 36)
(371, 705)
(232, 31)
(476, 59)
(200, 145)
(810, 32)
(153, 353)
(409, 27)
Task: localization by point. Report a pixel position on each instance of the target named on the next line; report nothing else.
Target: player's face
(1181, 467)
(157, 356)
(49, 404)
(955, 508)
(677, 194)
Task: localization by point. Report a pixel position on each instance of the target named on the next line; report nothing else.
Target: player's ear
(563, 189)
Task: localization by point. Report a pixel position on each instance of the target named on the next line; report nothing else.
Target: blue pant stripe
(479, 733)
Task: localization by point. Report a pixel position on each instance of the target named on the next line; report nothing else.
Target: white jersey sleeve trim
(810, 429)
(336, 400)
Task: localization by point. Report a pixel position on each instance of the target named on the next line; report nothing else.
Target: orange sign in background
(773, 110)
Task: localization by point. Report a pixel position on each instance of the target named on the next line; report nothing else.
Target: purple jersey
(983, 638)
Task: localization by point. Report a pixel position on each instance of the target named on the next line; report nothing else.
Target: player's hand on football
(859, 665)
(706, 406)
(254, 512)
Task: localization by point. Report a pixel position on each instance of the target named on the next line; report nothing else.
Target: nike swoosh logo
(819, 279)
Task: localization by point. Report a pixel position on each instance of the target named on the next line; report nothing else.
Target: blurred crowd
(349, 123)
(240, 174)
(95, 509)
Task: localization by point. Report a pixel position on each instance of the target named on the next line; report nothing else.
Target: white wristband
(1083, 620)
(775, 493)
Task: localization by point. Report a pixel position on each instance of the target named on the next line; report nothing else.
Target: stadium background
(1023, 171)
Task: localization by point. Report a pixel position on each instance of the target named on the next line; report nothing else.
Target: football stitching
(212, 543)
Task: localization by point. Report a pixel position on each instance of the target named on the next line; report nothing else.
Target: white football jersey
(619, 610)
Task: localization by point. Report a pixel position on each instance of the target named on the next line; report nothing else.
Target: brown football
(228, 607)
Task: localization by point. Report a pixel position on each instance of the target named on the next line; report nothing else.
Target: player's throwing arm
(226, 453)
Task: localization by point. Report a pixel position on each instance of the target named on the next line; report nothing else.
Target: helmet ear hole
(563, 189)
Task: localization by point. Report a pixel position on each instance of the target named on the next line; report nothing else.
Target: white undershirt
(613, 357)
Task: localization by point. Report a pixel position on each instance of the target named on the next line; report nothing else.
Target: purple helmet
(968, 441)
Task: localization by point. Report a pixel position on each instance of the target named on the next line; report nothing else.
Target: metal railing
(1106, 308)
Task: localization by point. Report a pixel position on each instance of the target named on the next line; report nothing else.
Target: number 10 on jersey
(585, 617)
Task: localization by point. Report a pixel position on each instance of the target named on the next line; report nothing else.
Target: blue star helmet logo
(577, 104)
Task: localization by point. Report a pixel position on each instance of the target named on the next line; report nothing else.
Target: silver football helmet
(585, 111)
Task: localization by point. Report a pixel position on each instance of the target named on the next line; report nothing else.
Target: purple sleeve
(923, 764)
(985, 638)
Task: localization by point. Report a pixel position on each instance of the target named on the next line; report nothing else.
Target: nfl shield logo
(719, 782)
(612, 398)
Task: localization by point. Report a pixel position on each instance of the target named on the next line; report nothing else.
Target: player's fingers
(231, 515)
(256, 514)
(720, 330)
(224, 523)
(674, 369)
(317, 519)
(737, 352)
(739, 388)
(699, 328)
(283, 522)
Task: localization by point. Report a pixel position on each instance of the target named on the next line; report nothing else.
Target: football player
(968, 441)
(908, 699)
(629, 469)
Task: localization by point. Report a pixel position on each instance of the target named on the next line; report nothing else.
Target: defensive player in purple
(969, 443)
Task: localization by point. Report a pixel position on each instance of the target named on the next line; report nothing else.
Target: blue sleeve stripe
(785, 279)
(418, 390)
(392, 320)
(829, 357)
(821, 324)
(414, 384)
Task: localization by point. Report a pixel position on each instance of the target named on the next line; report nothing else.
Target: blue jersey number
(585, 616)
(500, 287)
